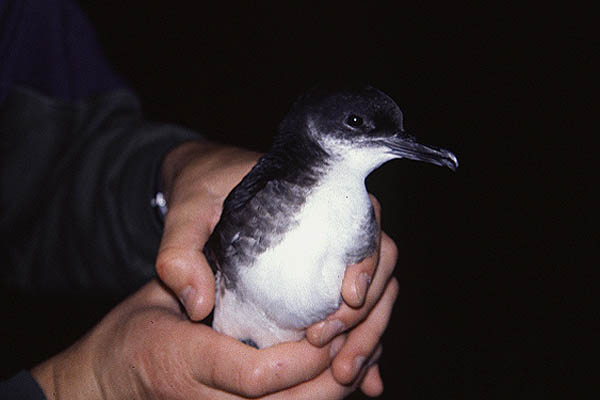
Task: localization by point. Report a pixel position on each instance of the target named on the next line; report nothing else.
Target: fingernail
(361, 285)
(336, 346)
(331, 329)
(358, 363)
(188, 297)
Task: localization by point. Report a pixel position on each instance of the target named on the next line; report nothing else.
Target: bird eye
(354, 121)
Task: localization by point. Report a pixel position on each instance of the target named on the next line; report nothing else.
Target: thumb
(181, 264)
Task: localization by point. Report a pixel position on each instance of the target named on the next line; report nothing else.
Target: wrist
(176, 160)
(67, 375)
(45, 377)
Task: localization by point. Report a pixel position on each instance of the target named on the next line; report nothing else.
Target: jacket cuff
(22, 386)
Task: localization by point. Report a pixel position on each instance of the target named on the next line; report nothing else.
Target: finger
(357, 279)
(322, 387)
(372, 384)
(201, 175)
(346, 317)
(373, 359)
(358, 276)
(364, 338)
(181, 264)
(226, 364)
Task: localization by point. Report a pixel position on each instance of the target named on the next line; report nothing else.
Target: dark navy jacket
(79, 164)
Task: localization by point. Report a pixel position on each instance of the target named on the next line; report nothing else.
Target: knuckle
(213, 218)
(254, 381)
(394, 287)
(391, 248)
(344, 371)
(169, 261)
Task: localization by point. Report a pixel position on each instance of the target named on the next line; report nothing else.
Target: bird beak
(406, 147)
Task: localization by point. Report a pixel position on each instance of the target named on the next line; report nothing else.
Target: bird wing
(256, 214)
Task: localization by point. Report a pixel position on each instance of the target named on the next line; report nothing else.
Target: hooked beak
(406, 147)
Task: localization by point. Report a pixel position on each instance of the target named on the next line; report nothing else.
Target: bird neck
(297, 160)
(350, 164)
(342, 174)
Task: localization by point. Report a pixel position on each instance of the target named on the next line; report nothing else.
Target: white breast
(298, 282)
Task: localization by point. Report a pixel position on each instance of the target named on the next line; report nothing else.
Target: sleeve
(79, 163)
(22, 387)
(77, 182)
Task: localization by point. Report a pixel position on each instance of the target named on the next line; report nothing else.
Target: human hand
(197, 177)
(146, 347)
(369, 291)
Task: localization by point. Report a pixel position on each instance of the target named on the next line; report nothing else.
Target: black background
(493, 290)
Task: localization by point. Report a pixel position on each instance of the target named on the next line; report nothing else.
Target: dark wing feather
(256, 214)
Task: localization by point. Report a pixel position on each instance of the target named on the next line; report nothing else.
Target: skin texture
(147, 347)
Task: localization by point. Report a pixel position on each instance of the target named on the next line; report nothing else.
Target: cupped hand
(369, 291)
(147, 348)
(197, 178)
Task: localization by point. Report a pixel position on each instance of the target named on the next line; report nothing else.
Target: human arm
(77, 179)
(78, 160)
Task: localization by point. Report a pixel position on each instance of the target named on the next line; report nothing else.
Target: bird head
(360, 123)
